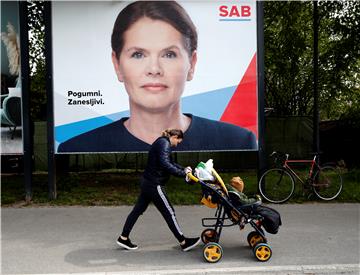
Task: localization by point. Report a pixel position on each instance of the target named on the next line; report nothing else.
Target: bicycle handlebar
(274, 153)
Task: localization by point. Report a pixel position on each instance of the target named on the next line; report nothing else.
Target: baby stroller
(230, 212)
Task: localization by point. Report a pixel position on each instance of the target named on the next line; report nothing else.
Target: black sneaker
(126, 244)
(190, 243)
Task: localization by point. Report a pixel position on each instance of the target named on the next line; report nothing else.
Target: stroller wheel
(254, 238)
(212, 252)
(262, 252)
(208, 235)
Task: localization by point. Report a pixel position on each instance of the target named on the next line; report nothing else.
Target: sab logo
(234, 11)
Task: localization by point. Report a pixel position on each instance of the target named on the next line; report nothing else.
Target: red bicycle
(276, 185)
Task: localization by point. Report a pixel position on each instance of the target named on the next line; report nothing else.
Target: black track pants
(157, 195)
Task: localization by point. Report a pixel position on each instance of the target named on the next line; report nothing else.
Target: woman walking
(157, 172)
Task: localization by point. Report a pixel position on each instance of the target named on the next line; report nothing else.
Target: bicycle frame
(313, 164)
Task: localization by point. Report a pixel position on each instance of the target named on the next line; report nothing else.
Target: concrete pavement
(314, 239)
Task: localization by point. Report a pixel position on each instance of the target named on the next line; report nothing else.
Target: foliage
(37, 59)
(339, 58)
(288, 63)
(288, 35)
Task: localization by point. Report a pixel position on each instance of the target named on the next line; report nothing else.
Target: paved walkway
(314, 239)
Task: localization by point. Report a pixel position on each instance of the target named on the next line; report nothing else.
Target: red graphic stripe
(243, 105)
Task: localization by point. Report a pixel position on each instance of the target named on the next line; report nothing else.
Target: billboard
(118, 85)
(11, 94)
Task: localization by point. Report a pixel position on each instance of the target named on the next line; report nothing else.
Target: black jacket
(160, 165)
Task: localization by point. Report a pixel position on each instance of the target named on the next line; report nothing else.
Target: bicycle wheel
(276, 185)
(328, 183)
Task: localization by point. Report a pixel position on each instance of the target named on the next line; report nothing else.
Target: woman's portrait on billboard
(154, 54)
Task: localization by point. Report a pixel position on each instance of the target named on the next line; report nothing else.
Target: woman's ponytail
(173, 132)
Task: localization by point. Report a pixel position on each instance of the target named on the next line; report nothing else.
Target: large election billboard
(124, 71)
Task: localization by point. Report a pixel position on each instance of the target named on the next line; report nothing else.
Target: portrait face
(154, 65)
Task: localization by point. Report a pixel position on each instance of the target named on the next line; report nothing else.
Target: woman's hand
(188, 170)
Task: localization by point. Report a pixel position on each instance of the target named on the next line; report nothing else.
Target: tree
(288, 54)
(288, 35)
(339, 58)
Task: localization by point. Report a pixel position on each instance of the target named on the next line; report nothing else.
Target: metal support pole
(316, 119)
(27, 129)
(261, 92)
(50, 104)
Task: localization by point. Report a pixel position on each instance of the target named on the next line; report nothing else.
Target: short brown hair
(173, 132)
(168, 11)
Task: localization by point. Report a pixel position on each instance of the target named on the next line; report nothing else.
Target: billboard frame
(50, 103)
(52, 157)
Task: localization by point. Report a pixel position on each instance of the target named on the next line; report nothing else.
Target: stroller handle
(218, 178)
(192, 177)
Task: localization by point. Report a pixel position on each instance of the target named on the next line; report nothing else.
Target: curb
(288, 269)
(292, 269)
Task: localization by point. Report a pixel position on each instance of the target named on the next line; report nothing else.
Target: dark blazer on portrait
(202, 135)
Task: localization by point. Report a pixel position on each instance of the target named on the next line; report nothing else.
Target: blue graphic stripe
(67, 131)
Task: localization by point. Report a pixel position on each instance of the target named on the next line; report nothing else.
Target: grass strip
(111, 188)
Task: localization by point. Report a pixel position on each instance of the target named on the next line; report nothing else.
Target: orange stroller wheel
(254, 238)
(262, 252)
(212, 252)
(208, 235)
